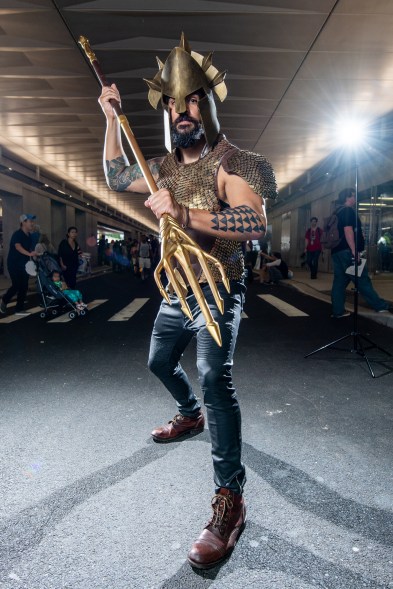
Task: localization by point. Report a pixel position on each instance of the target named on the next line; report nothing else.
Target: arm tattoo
(119, 176)
(155, 165)
(241, 219)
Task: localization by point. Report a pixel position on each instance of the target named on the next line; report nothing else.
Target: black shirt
(69, 256)
(347, 218)
(16, 260)
(283, 269)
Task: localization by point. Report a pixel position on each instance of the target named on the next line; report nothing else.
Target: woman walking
(69, 257)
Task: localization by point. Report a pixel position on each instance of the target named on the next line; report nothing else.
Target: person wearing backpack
(343, 256)
(313, 246)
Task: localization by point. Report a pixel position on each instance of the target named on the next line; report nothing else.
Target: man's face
(351, 200)
(28, 226)
(186, 128)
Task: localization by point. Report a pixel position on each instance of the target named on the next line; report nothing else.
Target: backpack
(330, 237)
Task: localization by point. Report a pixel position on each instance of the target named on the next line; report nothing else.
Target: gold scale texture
(194, 186)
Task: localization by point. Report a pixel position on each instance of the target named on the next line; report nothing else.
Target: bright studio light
(350, 132)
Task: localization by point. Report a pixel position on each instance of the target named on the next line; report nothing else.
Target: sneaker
(388, 310)
(22, 313)
(346, 314)
(3, 307)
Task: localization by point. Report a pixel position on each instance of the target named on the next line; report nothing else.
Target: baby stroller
(54, 301)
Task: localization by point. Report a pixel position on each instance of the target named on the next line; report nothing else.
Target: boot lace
(222, 506)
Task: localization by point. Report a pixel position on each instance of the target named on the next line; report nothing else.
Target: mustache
(185, 118)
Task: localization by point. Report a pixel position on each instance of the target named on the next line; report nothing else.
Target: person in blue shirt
(20, 252)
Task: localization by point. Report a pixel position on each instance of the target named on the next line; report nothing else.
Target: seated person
(75, 296)
(273, 271)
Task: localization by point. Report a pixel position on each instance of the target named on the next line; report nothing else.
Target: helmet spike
(184, 44)
(207, 61)
(153, 84)
(218, 78)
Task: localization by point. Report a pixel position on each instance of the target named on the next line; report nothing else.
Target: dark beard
(186, 139)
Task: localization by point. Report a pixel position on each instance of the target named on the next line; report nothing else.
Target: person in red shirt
(313, 247)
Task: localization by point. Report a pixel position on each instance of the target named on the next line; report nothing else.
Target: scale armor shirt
(195, 186)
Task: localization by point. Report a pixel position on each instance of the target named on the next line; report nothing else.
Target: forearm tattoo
(241, 219)
(120, 175)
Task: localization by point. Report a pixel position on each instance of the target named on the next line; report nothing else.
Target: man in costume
(216, 192)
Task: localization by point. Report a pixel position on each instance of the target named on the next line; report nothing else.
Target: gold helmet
(185, 72)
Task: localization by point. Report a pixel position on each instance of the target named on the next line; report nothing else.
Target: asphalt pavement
(90, 502)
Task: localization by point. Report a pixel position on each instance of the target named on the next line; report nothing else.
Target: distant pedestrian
(155, 251)
(20, 252)
(44, 246)
(343, 256)
(313, 247)
(35, 234)
(69, 256)
(144, 257)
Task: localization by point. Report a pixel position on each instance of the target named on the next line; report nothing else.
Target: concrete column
(59, 225)
(12, 209)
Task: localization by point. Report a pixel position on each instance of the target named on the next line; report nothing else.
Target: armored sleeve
(254, 169)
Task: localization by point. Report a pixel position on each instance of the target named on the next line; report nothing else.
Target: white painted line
(64, 318)
(96, 303)
(282, 306)
(13, 317)
(244, 315)
(127, 312)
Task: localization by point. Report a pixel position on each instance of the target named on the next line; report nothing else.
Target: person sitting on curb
(274, 271)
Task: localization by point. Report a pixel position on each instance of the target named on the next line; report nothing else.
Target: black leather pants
(171, 333)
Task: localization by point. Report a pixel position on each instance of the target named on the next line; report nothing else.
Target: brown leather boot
(219, 537)
(179, 427)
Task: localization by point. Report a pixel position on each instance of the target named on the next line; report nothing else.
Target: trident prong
(176, 243)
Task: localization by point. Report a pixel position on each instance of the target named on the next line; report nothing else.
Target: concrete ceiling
(294, 68)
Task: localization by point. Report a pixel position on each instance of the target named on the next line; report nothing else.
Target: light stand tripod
(357, 346)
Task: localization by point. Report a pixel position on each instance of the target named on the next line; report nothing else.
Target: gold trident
(174, 240)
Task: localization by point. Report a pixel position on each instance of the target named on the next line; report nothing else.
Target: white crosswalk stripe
(282, 306)
(64, 318)
(13, 317)
(127, 312)
(96, 303)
